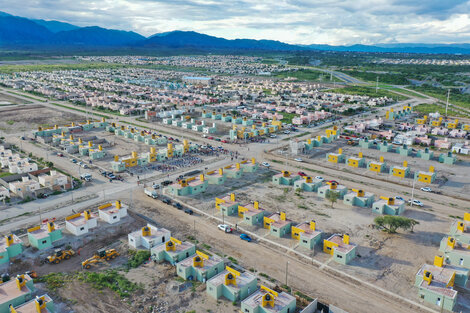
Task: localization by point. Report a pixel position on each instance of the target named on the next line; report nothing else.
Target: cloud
(335, 22)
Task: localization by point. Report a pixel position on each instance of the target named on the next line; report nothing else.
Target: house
(400, 171)
(43, 236)
(285, 178)
(81, 223)
(335, 157)
(278, 224)
(377, 166)
(188, 186)
(460, 230)
(148, 237)
(42, 304)
(265, 300)
(307, 234)
(425, 154)
(15, 292)
(232, 285)
(455, 253)
(359, 197)
(4, 193)
(200, 267)
(426, 177)
(54, 180)
(173, 251)
(332, 187)
(339, 247)
(447, 158)
(233, 171)
(252, 214)
(24, 188)
(215, 177)
(249, 166)
(308, 184)
(356, 162)
(389, 206)
(436, 283)
(112, 213)
(227, 205)
(10, 247)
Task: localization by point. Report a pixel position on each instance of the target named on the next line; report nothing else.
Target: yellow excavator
(60, 255)
(99, 257)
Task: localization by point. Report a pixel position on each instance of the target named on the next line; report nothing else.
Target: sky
(335, 22)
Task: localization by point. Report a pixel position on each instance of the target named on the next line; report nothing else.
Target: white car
(426, 189)
(156, 186)
(319, 178)
(298, 160)
(415, 202)
(224, 227)
(266, 164)
(273, 136)
(287, 132)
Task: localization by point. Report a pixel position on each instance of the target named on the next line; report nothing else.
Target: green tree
(391, 224)
(332, 197)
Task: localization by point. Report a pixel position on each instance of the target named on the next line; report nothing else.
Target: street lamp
(287, 268)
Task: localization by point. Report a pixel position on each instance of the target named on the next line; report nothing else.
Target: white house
(148, 237)
(81, 223)
(112, 213)
(4, 193)
(53, 179)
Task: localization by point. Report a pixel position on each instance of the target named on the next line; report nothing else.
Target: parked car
(302, 174)
(298, 160)
(188, 211)
(111, 176)
(287, 132)
(246, 237)
(426, 189)
(224, 227)
(84, 165)
(60, 154)
(86, 177)
(166, 201)
(399, 198)
(73, 161)
(333, 182)
(166, 183)
(224, 141)
(265, 164)
(156, 186)
(319, 178)
(210, 137)
(273, 136)
(151, 193)
(415, 202)
(177, 205)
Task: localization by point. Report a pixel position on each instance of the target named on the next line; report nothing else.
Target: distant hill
(189, 39)
(55, 26)
(37, 34)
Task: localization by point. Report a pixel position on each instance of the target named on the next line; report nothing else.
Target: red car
(224, 141)
(333, 182)
(210, 137)
(302, 174)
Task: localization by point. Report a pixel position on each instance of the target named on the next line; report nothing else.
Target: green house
(15, 292)
(232, 285)
(216, 177)
(227, 205)
(389, 207)
(384, 146)
(249, 167)
(339, 248)
(173, 251)
(425, 154)
(324, 191)
(460, 230)
(359, 198)
(188, 187)
(307, 184)
(265, 300)
(455, 253)
(307, 234)
(10, 247)
(200, 267)
(365, 143)
(285, 179)
(404, 150)
(42, 237)
(44, 303)
(233, 171)
(252, 214)
(278, 225)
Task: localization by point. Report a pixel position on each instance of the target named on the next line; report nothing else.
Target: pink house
(457, 133)
(442, 144)
(441, 131)
(425, 140)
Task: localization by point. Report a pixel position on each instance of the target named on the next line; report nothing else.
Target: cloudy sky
(336, 22)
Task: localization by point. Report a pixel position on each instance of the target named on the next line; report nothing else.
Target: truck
(151, 193)
(86, 177)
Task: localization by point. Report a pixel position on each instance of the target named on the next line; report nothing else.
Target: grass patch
(77, 109)
(368, 91)
(137, 258)
(307, 75)
(287, 117)
(110, 279)
(303, 296)
(233, 260)
(426, 108)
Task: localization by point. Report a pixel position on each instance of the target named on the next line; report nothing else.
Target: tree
(391, 224)
(333, 197)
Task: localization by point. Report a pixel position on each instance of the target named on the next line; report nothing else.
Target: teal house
(425, 154)
(252, 214)
(460, 230)
(278, 224)
(384, 146)
(265, 300)
(307, 234)
(447, 158)
(42, 304)
(325, 190)
(233, 171)
(200, 267)
(216, 177)
(307, 184)
(42, 237)
(389, 206)
(285, 178)
(455, 253)
(249, 166)
(186, 187)
(404, 150)
(359, 198)
(365, 143)
(173, 251)
(227, 205)
(15, 292)
(10, 247)
(232, 285)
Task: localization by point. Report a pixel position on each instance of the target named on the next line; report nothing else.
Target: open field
(6, 100)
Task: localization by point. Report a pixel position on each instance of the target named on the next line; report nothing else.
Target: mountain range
(20, 32)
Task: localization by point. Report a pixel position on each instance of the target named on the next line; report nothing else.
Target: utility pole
(377, 85)
(413, 191)
(287, 268)
(447, 104)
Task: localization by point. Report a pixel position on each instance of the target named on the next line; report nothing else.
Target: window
(114, 217)
(246, 310)
(274, 230)
(44, 241)
(163, 239)
(461, 261)
(304, 241)
(339, 256)
(82, 228)
(422, 296)
(328, 248)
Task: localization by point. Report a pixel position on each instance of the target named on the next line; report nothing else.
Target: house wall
(437, 299)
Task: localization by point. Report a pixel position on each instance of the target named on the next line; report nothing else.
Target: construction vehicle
(99, 257)
(59, 255)
(4, 278)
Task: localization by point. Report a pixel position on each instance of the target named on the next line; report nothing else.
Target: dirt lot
(23, 118)
(10, 100)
